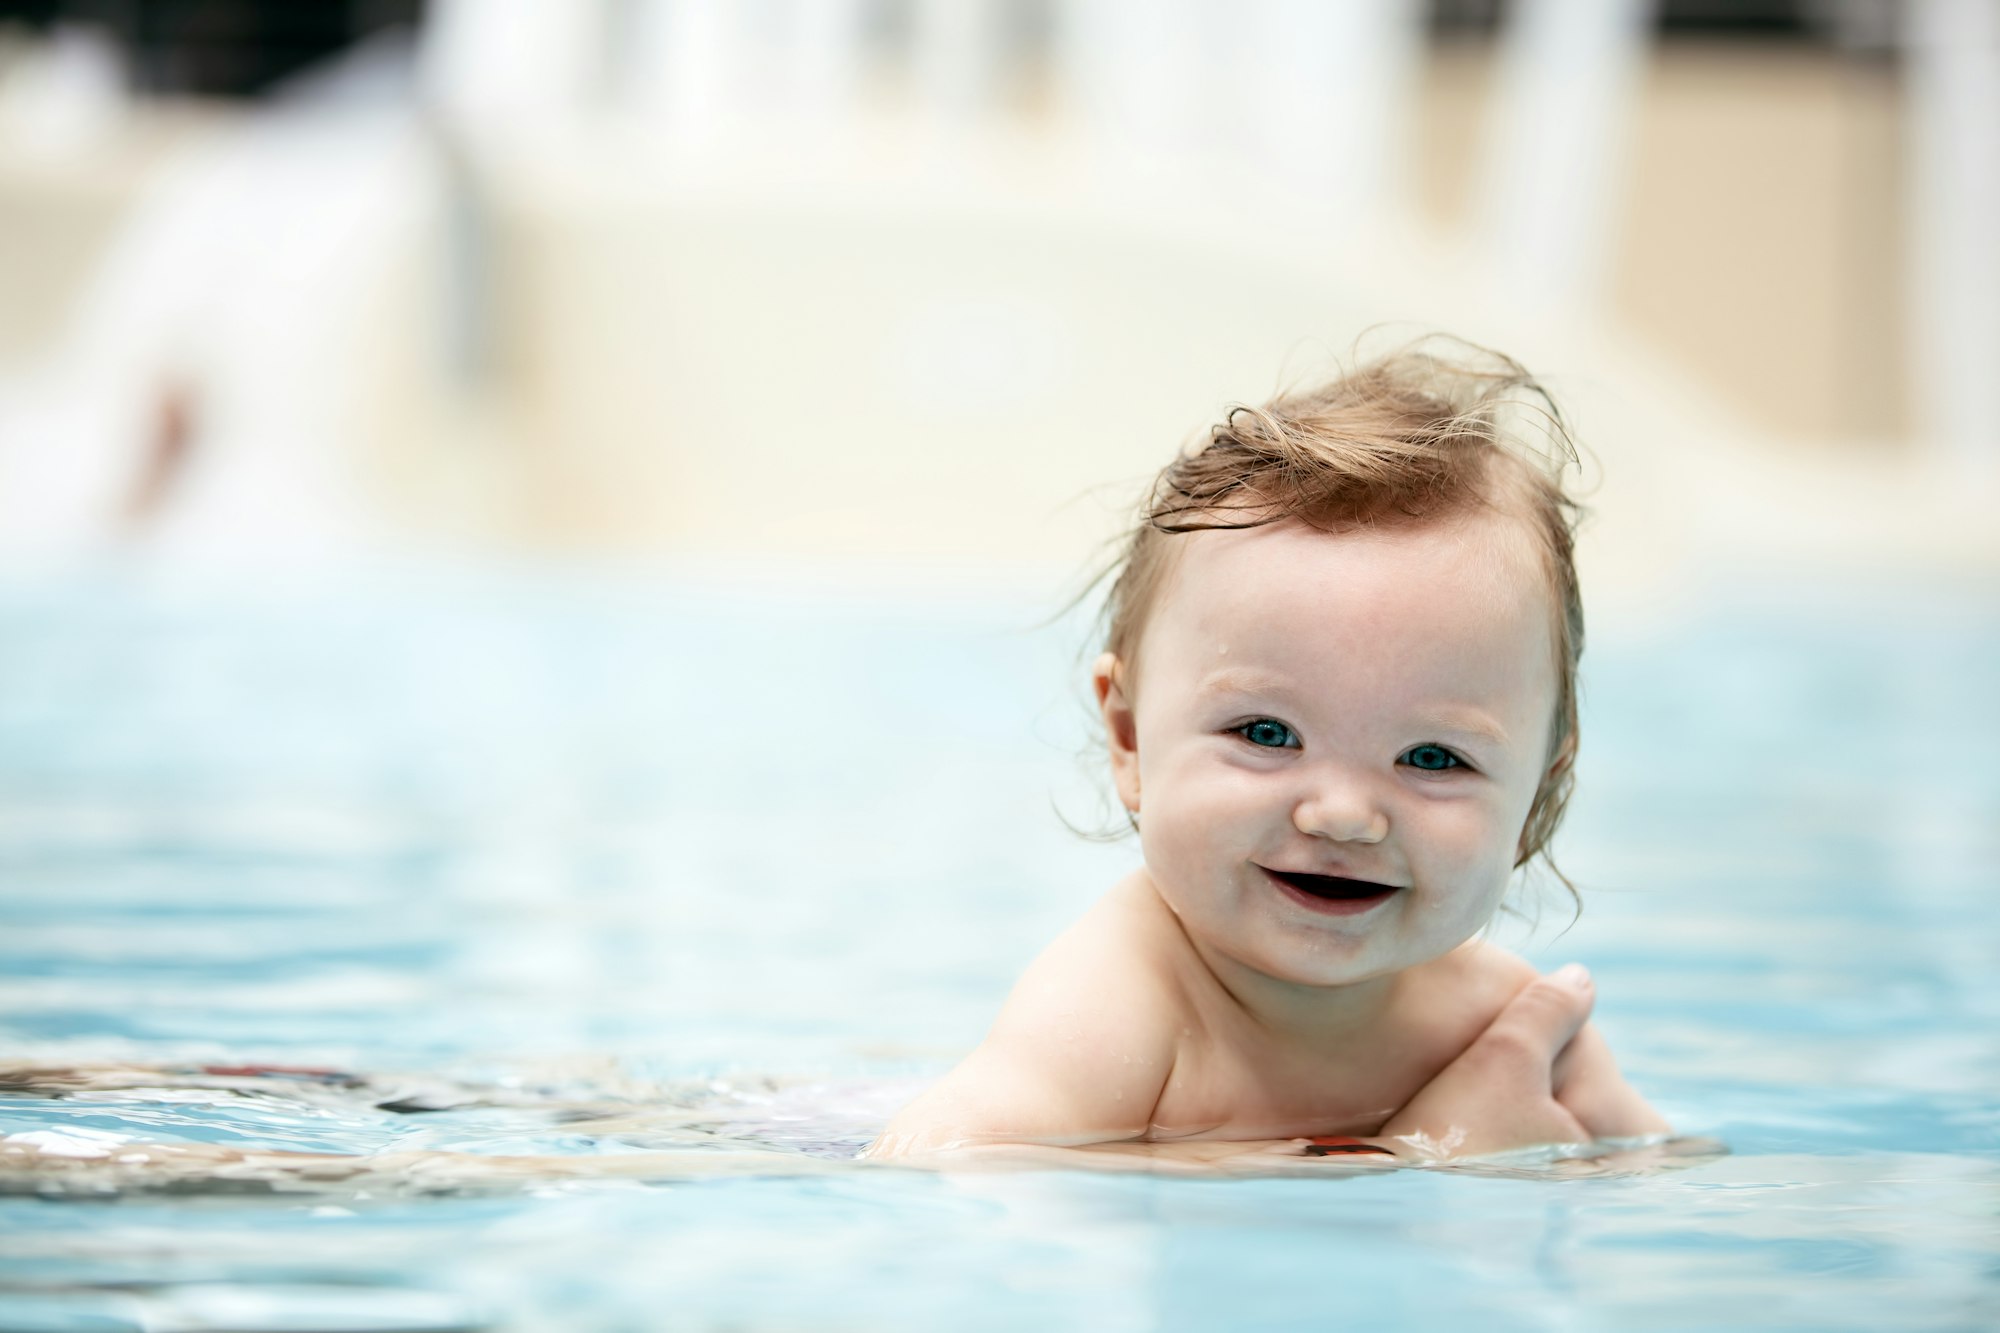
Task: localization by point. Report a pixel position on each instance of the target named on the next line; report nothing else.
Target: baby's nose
(1341, 811)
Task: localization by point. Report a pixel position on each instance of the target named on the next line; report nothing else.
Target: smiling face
(1333, 741)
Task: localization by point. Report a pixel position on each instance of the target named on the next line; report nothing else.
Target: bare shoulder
(1446, 1003)
(1481, 977)
(1111, 981)
(1081, 1049)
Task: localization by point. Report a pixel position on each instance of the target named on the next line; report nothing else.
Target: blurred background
(925, 285)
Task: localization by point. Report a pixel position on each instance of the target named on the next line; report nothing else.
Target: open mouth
(1330, 893)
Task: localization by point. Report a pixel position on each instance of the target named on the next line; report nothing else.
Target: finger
(1545, 1016)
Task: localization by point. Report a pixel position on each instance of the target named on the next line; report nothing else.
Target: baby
(1339, 693)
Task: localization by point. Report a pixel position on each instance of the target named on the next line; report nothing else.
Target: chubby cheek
(1196, 824)
(1177, 860)
(1462, 856)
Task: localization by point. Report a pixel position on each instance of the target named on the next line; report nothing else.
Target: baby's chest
(1244, 1090)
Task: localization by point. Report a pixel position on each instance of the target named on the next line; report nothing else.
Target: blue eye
(1431, 758)
(1268, 734)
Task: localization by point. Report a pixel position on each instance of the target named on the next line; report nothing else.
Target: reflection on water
(220, 1130)
(101, 1132)
(566, 866)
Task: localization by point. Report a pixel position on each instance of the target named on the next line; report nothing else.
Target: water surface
(593, 864)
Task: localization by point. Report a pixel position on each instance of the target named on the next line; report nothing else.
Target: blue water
(602, 863)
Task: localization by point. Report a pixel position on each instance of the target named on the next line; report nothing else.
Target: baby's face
(1332, 742)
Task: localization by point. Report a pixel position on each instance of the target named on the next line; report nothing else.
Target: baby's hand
(1500, 1093)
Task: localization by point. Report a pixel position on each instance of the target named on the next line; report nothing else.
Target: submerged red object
(279, 1071)
(1339, 1145)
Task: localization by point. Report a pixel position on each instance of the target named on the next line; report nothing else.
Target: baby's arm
(1079, 1055)
(1589, 1086)
(1506, 1091)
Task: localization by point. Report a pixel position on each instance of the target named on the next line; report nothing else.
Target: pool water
(594, 864)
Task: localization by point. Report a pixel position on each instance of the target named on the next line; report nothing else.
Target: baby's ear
(1108, 677)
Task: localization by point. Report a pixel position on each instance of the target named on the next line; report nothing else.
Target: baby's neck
(1291, 1010)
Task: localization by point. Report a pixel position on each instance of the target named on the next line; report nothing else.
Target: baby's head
(1341, 650)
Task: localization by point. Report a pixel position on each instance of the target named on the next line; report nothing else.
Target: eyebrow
(1469, 723)
(1241, 680)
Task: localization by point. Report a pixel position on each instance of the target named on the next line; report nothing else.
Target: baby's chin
(1313, 954)
(1300, 958)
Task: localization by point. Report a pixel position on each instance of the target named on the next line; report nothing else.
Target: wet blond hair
(1437, 430)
